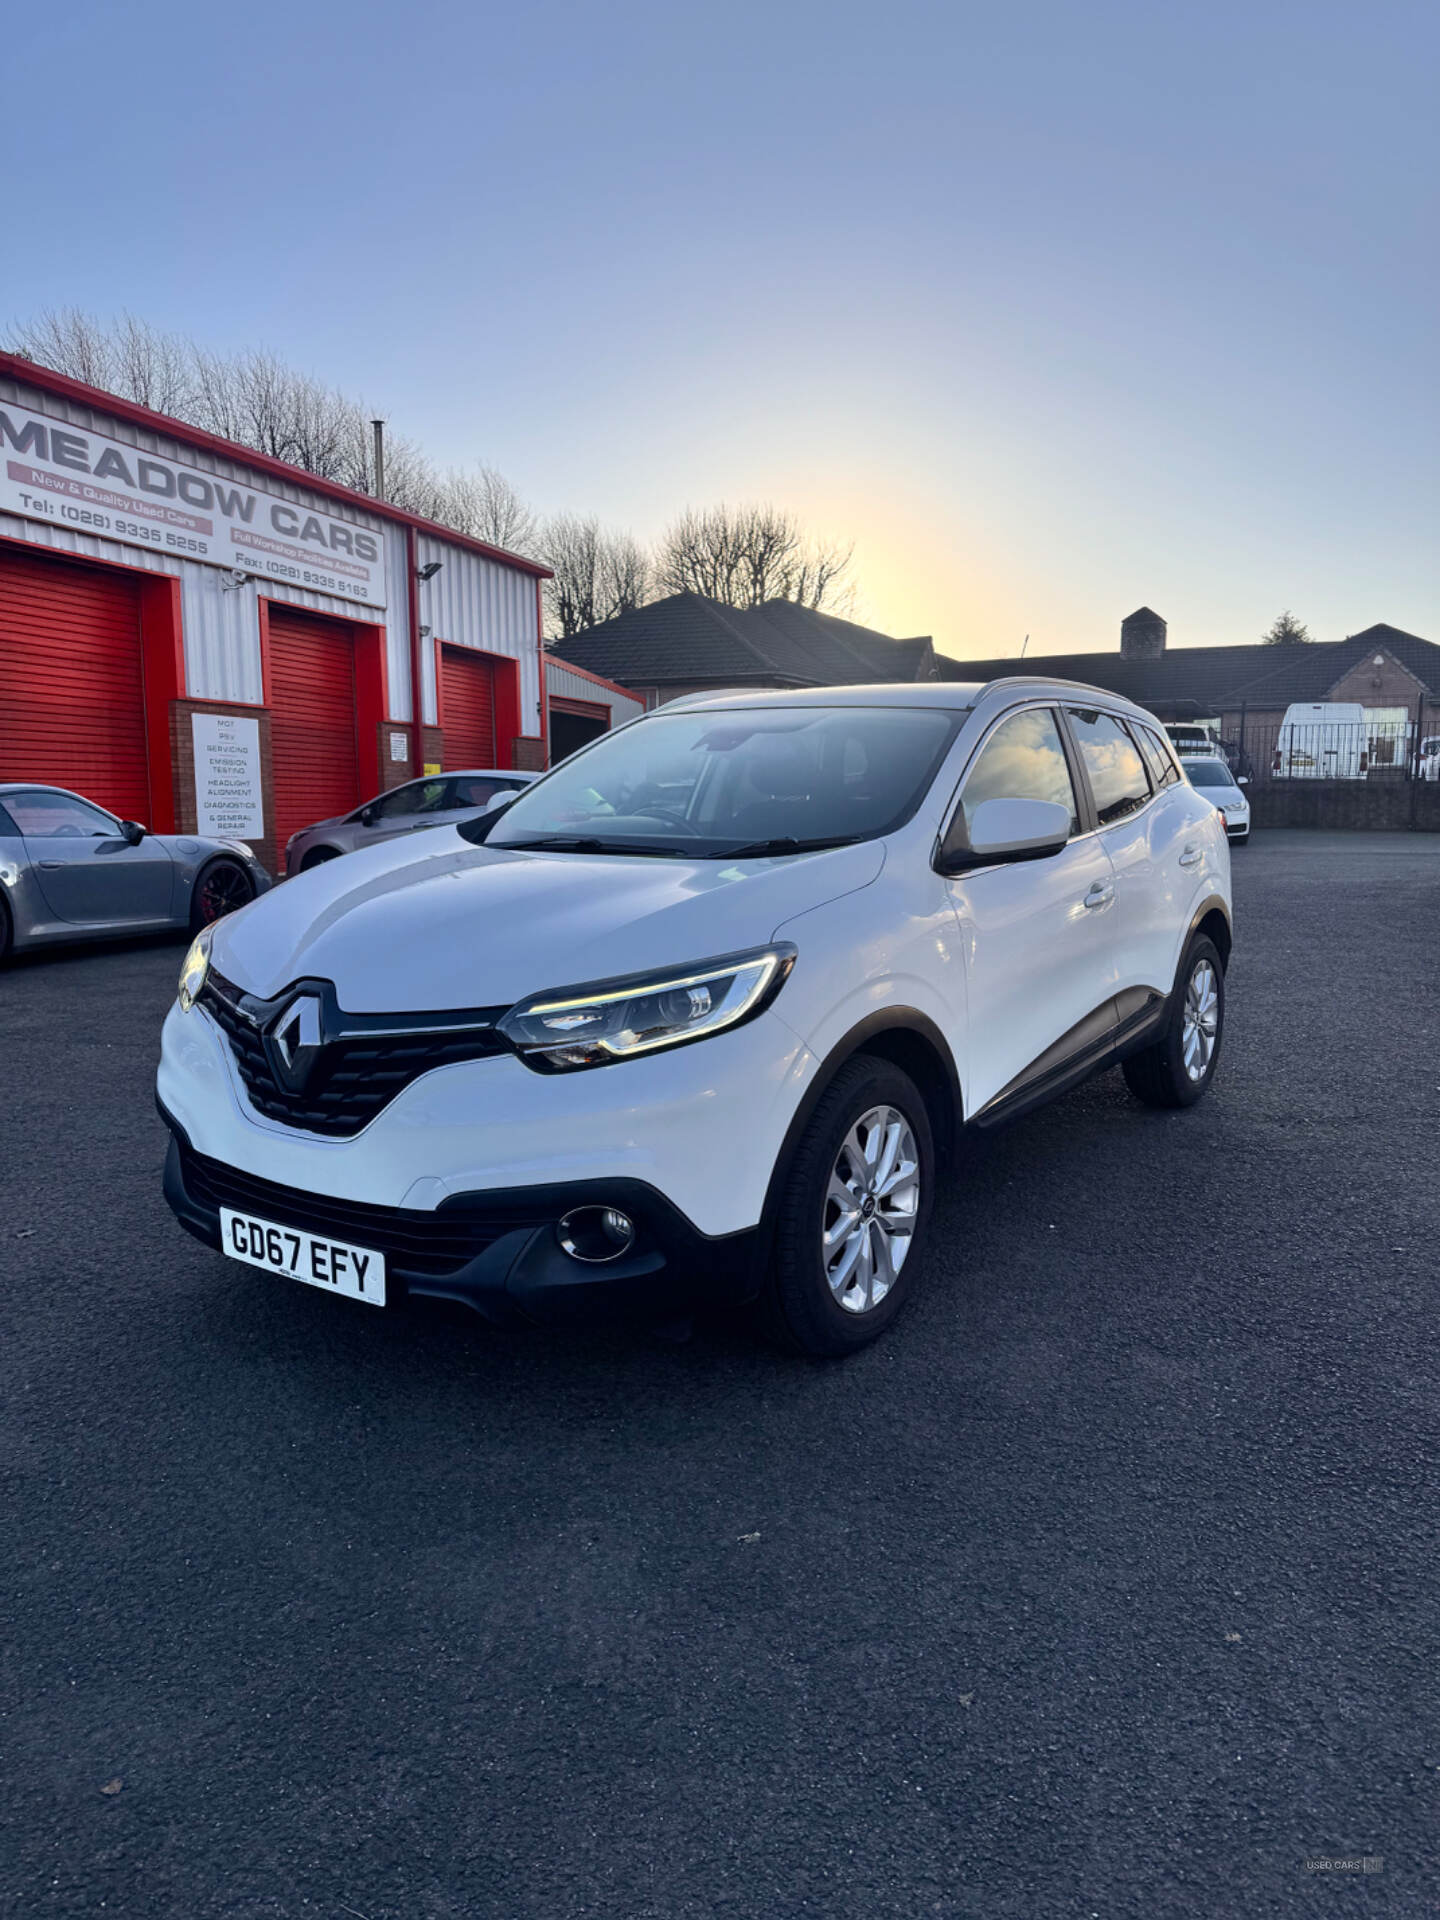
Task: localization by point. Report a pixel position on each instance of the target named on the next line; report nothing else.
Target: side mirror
(1243, 780)
(1005, 830)
(132, 832)
(368, 816)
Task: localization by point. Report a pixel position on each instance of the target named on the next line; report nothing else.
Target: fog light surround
(595, 1235)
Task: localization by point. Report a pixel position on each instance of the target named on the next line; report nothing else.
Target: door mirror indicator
(132, 832)
(1005, 830)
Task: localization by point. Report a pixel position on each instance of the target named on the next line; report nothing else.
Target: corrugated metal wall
(474, 602)
(471, 602)
(566, 684)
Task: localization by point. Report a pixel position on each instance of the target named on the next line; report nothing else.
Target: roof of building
(688, 637)
(30, 373)
(1211, 679)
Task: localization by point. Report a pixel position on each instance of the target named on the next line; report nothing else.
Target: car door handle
(1192, 855)
(51, 866)
(1100, 895)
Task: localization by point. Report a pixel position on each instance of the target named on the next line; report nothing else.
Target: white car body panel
(1037, 960)
(1002, 962)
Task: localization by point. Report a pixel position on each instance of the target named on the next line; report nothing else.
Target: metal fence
(1265, 749)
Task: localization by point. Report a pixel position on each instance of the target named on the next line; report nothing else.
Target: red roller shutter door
(312, 720)
(72, 689)
(467, 708)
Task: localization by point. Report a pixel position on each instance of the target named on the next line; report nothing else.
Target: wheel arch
(1213, 921)
(909, 1040)
(210, 861)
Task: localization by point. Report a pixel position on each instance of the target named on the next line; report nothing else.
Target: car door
(87, 872)
(395, 812)
(1038, 935)
(1161, 858)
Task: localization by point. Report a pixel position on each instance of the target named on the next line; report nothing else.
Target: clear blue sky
(1053, 308)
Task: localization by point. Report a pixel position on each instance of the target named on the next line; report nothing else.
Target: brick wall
(1348, 805)
(393, 772)
(527, 754)
(182, 754)
(1379, 681)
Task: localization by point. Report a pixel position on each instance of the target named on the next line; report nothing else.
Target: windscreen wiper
(583, 843)
(787, 843)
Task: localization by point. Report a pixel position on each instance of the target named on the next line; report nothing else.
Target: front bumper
(495, 1251)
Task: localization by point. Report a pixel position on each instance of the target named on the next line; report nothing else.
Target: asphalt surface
(1105, 1585)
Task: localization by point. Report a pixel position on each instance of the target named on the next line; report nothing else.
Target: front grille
(422, 1245)
(365, 1061)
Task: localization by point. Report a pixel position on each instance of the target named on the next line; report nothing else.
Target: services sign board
(50, 470)
(228, 805)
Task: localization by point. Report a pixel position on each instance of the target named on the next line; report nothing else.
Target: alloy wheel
(224, 888)
(872, 1202)
(1200, 1026)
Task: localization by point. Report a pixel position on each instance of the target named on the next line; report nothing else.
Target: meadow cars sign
(50, 470)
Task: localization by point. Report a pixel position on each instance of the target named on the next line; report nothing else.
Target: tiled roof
(1215, 678)
(688, 637)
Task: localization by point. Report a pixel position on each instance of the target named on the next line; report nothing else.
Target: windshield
(1208, 773)
(765, 780)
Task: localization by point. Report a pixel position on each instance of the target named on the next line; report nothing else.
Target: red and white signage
(50, 470)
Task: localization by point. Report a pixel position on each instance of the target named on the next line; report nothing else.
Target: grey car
(439, 800)
(71, 871)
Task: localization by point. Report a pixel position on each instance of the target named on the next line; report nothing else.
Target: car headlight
(197, 965)
(617, 1019)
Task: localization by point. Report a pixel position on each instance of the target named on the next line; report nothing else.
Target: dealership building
(209, 640)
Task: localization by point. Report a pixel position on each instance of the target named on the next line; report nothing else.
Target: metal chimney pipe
(379, 426)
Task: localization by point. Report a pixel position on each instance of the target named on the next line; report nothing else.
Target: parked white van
(1322, 740)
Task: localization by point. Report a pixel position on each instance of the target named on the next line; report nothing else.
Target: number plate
(357, 1272)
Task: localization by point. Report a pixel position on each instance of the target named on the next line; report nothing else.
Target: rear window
(1208, 773)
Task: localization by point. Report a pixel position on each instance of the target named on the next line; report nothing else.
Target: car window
(1163, 770)
(59, 816)
(475, 793)
(419, 796)
(7, 825)
(1117, 773)
(1208, 773)
(713, 781)
(1024, 759)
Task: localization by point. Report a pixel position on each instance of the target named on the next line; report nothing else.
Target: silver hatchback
(439, 800)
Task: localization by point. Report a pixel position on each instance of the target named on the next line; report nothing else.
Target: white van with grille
(1322, 740)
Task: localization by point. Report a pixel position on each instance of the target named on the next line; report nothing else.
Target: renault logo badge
(296, 1040)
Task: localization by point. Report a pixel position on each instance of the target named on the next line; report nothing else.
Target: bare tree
(130, 358)
(597, 574)
(1286, 631)
(258, 401)
(481, 502)
(744, 556)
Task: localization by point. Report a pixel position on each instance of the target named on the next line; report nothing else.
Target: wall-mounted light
(235, 578)
(429, 570)
(425, 633)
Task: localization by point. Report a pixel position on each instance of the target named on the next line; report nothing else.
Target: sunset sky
(1052, 309)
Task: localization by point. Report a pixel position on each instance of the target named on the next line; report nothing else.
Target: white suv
(699, 1015)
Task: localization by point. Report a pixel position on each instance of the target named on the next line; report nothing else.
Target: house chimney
(1142, 636)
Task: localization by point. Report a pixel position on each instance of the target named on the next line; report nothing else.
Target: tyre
(317, 857)
(853, 1221)
(221, 888)
(1179, 1067)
